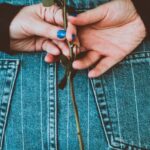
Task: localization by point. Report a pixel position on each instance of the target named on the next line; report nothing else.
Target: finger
(105, 48)
(90, 16)
(32, 44)
(83, 49)
(65, 49)
(54, 15)
(59, 17)
(71, 32)
(44, 29)
(51, 48)
(38, 43)
(76, 49)
(51, 58)
(104, 65)
(62, 46)
(88, 60)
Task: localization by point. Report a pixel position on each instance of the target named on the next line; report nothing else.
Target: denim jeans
(114, 108)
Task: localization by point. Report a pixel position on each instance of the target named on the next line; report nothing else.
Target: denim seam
(8, 63)
(135, 57)
(117, 139)
(3, 92)
(104, 113)
(100, 97)
(56, 127)
(5, 64)
(98, 86)
(6, 98)
(52, 107)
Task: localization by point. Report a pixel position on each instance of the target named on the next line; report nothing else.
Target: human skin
(108, 34)
(35, 28)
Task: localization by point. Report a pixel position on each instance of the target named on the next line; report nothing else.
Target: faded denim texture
(114, 109)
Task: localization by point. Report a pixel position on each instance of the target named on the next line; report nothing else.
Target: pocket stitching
(100, 96)
(10, 78)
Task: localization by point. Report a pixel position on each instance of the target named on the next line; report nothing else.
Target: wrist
(6, 14)
(143, 10)
(137, 20)
(141, 28)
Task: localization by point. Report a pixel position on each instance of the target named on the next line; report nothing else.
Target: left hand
(108, 33)
(37, 28)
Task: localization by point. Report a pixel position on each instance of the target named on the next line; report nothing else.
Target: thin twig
(70, 79)
(76, 113)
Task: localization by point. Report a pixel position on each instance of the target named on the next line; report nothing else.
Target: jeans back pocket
(8, 73)
(123, 99)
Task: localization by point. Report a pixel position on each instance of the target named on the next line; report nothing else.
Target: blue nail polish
(73, 37)
(61, 34)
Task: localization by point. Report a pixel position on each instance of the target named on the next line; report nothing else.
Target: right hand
(108, 33)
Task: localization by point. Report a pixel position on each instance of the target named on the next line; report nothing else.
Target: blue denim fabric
(114, 109)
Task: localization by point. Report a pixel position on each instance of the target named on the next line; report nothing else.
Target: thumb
(44, 29)
(90, 16)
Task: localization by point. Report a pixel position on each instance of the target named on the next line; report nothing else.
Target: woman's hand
(38, 28)
(108, 34)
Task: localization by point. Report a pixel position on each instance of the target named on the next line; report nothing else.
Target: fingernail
(73, 37)
(61, 34)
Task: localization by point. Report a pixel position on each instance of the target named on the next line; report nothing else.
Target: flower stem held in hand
(76, 114)
(70, 80)
(69, 71)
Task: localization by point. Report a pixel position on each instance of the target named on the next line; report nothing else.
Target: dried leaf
(48, 3)
(64, 60)
(63, 82)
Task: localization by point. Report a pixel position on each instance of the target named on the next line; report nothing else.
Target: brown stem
(70, 44)
(76, 113)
